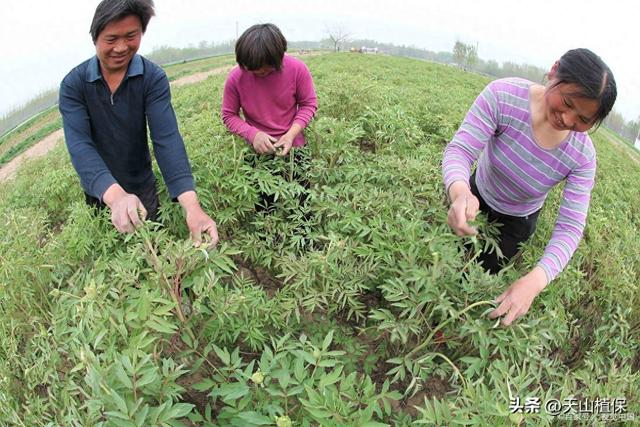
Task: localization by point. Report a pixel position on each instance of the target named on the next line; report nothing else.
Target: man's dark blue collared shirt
(106, 133)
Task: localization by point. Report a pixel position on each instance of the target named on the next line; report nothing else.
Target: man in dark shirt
(106, 103)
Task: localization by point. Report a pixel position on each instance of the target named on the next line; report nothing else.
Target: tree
(492, 67)
(465, 55)
(459, 53)
(472, 55)
(615, 122)
(338, 35)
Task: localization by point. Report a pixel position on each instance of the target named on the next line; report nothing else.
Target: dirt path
(42, 147)
(629, 150)
(198, 77)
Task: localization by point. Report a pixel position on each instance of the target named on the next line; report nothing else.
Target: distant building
(365, 49)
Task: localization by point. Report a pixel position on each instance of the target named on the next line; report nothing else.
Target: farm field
(34, 130)
(351, 305)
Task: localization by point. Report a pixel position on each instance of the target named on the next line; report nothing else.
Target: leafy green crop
(351, 304)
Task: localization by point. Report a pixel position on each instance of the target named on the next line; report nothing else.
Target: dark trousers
(301, 159)
(514, 231)
(148, 197)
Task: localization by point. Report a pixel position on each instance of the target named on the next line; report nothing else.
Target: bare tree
(338, 35)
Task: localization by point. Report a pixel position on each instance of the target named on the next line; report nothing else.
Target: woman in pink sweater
(274, 91)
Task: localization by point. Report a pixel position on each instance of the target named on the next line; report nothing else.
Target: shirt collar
(136, 68)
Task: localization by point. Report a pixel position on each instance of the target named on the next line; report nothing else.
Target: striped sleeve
(476, 130)
(572, 217)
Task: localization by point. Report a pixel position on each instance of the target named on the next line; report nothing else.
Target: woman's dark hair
(114, 10)
(594, 78)
(261, 45)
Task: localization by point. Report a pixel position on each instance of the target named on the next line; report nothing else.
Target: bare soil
(198, 77)
(39, 149)
(19, 136)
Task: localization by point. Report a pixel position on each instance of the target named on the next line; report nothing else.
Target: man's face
(118, 42)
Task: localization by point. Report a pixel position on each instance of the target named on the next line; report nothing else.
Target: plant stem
(455, 368)
(441, 325)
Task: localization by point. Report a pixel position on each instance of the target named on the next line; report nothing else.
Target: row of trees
(338, 38)
(166, 54)
(24, 112)
(628, 130)
(466, 56)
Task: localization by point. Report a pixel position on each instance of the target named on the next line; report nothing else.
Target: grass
(358, 307)
(35, 129)
(29, 132)
(181, 69)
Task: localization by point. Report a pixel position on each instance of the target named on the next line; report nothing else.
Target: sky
(40, 40)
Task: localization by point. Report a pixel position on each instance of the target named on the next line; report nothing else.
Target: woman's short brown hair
(261, 45)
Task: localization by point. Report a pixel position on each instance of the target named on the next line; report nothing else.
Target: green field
(34, 130)
(357, 308)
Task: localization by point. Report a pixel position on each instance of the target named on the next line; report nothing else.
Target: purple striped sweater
(514, 174)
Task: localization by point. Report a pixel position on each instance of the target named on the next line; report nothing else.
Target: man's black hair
(115, 10)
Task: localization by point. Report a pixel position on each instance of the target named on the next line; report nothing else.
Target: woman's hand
(263, 143)
(464, 207)
(283, 145)
(516, 300)
(286, 141)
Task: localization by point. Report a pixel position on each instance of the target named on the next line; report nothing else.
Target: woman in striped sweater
(526, 138)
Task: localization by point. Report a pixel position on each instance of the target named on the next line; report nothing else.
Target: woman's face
(567, 110)
(263, 71)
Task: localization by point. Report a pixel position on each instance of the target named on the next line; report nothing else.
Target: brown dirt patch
(367, 146)
(41, 148)
(198, 77)
(433, 387)
(259, 275)
(17, 136)
(191, 395)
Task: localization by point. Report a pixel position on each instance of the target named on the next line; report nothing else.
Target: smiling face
(566, 110)
(117, 43)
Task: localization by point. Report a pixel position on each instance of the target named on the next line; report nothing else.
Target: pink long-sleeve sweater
(271, 104)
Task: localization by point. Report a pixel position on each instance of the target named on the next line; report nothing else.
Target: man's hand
(516, 300)
(197, 220)
(126, 209)
(464, 207)
(283, 145)
(263, 143)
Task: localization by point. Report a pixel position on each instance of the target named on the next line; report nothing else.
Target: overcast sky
(42, 40)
